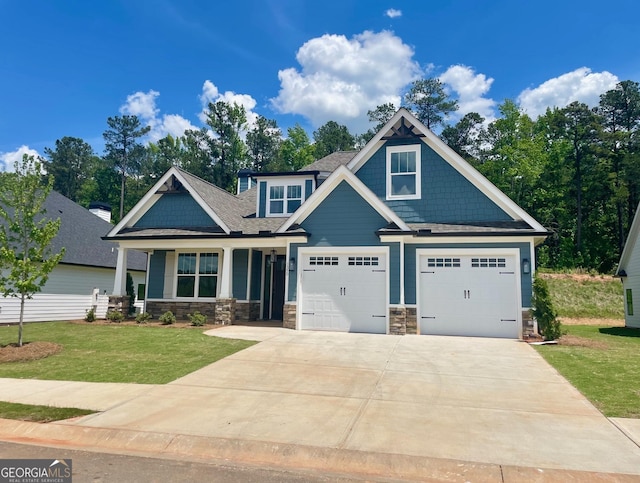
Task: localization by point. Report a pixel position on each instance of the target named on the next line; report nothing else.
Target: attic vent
(403, 132)
(172, 185)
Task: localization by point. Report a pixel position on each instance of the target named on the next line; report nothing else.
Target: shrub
(167, 318)
(197, 319)
(115, 316)
(548, 324)
(91, 315)
(131, 293)
(143, 317)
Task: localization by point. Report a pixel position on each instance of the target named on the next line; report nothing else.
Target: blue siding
(262, 205)
(410, 266)
(394, 272)
(308, 188)
(342, 219)
(175, 211)
(256, 274)
(240, 271)
(156, 274)
(447, 196)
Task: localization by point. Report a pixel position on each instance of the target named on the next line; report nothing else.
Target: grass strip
(39, 414)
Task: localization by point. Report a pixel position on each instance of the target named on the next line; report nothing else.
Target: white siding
(632, 282)
(51, 307)
(78, 280)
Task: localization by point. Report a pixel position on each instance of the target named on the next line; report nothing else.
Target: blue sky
(67, 65)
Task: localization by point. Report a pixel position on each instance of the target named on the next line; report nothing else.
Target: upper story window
(284, 199)
(403, 172)
(197, 275)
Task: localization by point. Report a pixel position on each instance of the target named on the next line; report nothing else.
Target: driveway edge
(275, 455)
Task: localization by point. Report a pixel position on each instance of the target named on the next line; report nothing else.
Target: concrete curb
(275, 455)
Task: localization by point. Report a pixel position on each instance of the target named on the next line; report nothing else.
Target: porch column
(227, 268)
(120, 283)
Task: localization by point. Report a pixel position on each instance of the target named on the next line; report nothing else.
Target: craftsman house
(402, 237)
(629, 272)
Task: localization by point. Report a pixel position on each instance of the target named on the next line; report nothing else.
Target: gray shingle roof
(80, 234)
(331, 162)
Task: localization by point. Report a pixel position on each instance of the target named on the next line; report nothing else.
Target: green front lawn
(603, 363)
(142, 354)
(39, 414)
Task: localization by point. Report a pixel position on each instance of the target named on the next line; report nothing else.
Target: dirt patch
(594, 321)
(581, 277)
(30, 351)
(180, 324)
(572, 340)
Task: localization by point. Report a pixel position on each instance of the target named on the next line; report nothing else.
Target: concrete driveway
(481, 400)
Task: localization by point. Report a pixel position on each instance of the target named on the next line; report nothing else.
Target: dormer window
(403, 172)
(284, 199)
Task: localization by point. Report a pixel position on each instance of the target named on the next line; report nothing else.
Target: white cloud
(393, 13)
(471, 89)
(210, 93)
(340, 79)
(143, 105)
(580, 85)
(8, 159)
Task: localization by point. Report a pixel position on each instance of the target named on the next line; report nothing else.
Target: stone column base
(412, 320)
(225, 311)
(397, 320)
(119, 303)
(289, 316)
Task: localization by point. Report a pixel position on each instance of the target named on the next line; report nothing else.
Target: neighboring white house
(85, 277)
(629, 272)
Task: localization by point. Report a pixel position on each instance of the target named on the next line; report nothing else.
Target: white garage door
(474, 294)
(344, 292)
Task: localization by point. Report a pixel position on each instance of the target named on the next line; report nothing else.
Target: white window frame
(196, 294)
(415, 148)
(285, 185)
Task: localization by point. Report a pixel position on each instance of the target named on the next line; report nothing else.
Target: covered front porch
(231, 281)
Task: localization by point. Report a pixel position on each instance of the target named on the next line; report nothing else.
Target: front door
(274, 288)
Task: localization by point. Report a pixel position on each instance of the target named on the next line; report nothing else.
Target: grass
(141, 354)
(39, 414)
(603, 363)
(586, 297)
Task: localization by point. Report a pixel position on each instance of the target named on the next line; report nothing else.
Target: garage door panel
(470, 295)
(344, 292)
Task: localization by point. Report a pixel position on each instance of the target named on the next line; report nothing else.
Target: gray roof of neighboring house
(80, 234)
(331, 162)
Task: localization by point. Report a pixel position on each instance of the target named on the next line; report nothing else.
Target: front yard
(603, 363)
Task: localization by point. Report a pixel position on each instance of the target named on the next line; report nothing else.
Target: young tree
(25, 233)
(263, 142)
(332, 137)
(429, 101)
(70, 164)
(463, 137)
(123, 149)
(295, 152)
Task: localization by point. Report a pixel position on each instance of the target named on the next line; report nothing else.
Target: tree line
(575, 169)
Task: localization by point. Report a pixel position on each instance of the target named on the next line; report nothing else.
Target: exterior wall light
(292, 264)
(526, 266)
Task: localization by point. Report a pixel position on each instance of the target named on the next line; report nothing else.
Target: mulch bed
(30, 351)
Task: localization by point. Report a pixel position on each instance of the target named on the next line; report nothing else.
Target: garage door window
(372, 261)
(443, 262)
(488, 263)
(323, 261)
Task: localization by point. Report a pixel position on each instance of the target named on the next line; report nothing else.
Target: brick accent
(181, 309)
(225, 311)
(397, 320)
(289, 316)
(119, 303)
(412, 320)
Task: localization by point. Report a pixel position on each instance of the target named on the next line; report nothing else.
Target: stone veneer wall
(412, 320)
(246, 311)
(289, 316)
(397, 320)
(528, 324)
(181, 309)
